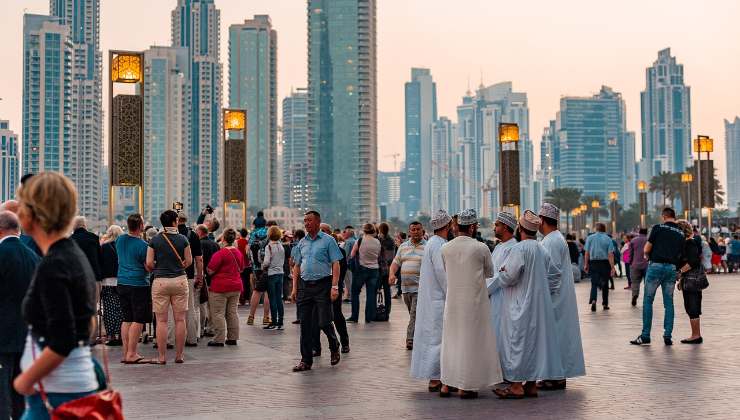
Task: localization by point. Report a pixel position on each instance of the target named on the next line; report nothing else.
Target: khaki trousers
(410, 300)
(224, 317)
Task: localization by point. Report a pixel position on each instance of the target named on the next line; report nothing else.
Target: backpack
(354, 262)
(381, 311)
(257, 243)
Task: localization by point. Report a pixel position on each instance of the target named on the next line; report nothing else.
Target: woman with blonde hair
(109, 300)
(60, 302)
(273, 263)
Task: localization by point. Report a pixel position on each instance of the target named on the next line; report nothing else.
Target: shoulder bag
(177, 254)
(694, 280)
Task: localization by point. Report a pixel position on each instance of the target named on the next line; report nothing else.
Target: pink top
(226, 265)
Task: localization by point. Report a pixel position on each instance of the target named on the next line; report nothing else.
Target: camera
(209, 209)
(177, 205)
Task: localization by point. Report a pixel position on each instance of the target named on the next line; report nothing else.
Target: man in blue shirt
(315, 286)
(133, 288)
(599, 263)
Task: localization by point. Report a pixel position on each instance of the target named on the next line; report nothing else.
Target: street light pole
(613, 196)
(641, 187)
(687, 178)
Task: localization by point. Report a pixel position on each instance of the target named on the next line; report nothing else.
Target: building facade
(9, 171)
(253, 86)
(443, 134)
(666, 118)
(421, 113)
(86, 148)
(389, 196)
(596, 153)
(295, 151)
(166, 130)
(195, 26)
(732, 150)
(47, 95)
(342, 112)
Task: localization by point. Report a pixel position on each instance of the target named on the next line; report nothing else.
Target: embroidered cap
(507, 219)
(440, 219)
(467, 217)
(550, 210)
(530, 221)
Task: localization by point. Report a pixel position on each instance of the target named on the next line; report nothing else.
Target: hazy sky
(546, 48)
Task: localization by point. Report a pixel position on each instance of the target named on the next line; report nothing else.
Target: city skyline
(611, 55)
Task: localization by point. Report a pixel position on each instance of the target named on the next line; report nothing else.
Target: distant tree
(668, 184)
(425, 220)
(566, 199)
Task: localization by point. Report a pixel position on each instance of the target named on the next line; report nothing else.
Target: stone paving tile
(254, 380)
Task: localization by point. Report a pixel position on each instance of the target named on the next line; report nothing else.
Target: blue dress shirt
(598, 246)
(316, 255)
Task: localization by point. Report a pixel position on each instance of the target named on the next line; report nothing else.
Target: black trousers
(11, 402)
(339, 323)
(314, 303)
(600, 271)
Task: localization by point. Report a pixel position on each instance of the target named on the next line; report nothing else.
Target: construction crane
(395, 157)
(484, 188)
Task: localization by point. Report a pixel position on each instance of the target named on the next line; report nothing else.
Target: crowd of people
(482, 314)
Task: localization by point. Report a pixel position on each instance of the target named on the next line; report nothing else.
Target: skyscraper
(666, 118)
(421, 113)
(253, 86)
(479, 117)
(389, 195)
(47, 95)
(195, 26)
(295, 149)
(443, 132)
(342, 114)
(9, 173)
(732, 148)
(86, 148)
(594, 146)
(166, 129)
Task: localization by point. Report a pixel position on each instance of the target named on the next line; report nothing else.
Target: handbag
(694, 280)
(381, 311)
(103, 405)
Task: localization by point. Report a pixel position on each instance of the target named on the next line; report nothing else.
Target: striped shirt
(408, 258)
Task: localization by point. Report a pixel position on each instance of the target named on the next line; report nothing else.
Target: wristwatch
(335, 287)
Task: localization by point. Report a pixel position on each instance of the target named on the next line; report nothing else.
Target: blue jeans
(369, 277)
(275, 291)
(663, 275)
(36, 410)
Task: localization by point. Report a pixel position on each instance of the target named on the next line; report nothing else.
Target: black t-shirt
(166, 262)
(668, 243)
(195, 247)
(573, 251)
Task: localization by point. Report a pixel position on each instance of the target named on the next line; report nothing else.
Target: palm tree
(566, 199)
(666, 183)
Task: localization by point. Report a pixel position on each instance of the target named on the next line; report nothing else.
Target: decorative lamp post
(642, 188)
(595, 213)
(126, 145)
(705, 177)
(235, 160)
(508, 137)
(614, 196)
(584, 216)
(687, 178)
(576, 218)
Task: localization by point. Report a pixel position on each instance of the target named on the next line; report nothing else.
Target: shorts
(260, 284)
(136, 303)
(166, 291)
(692, 304)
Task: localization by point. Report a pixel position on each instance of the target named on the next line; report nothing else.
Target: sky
(548, 49)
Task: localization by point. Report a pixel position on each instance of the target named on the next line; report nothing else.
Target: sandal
(435, 388)
(506, 394)
(250, 320)
(157, 362)
(301, 367)
(180, 360)
(468, 395)
(139, 361)
(549, 385)
(266, 320)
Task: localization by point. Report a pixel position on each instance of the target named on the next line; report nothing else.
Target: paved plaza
(254, 380)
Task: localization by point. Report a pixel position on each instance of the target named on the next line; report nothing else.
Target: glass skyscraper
(166, 129)
(253, 86)
(666, 118)
(47, 95)
(9, 173)
(195, 26)
(594, 146)
(732, 149)
(421, 113)
(443, 133)
(86, 148)
(342, 114)
(295, 150)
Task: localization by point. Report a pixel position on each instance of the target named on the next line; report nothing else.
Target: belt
(313, 283)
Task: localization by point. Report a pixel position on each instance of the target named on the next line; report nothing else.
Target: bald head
(10, 205)
(9, 224)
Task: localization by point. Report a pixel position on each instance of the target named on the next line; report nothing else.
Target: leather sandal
(250, 320)
(506, 394)
(435, 388)
(301, 367)
(468, 395)
(335, 357)
(549, 385)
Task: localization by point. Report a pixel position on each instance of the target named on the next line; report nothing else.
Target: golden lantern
(508, 133)
(584, 207)
(687, 177)
(126, 68)
(576, 211)
(595, 204)
(613, 196)
(642, 186)
(703, 144)
(234, 119)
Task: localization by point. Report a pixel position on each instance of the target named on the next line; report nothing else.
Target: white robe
(529, 344)
(565, 306)
(430, 307)
(469, 358)
(498, 257)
